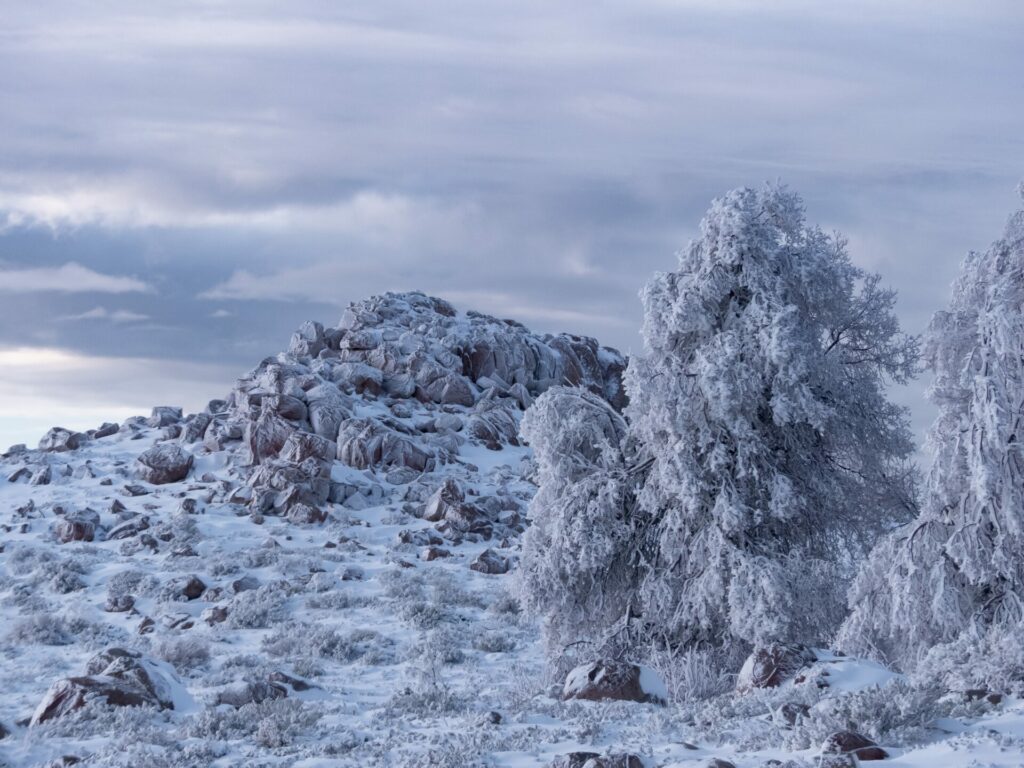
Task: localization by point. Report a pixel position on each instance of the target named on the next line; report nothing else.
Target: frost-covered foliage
(958, 567)
(776, 458)
(761, 457)
(575, 569)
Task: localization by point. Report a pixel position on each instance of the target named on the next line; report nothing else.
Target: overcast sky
(181, 184)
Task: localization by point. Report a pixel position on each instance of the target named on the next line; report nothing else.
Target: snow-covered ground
(406, 658)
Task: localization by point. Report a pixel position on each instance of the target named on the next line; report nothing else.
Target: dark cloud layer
(256, 164)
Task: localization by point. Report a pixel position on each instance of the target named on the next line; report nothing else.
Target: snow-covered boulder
(365, 443)
(122, 678)
(163, 463)
(164, 416)
(609, 679)
(58, 440)
(853, 743)
(770, 665)
(490, 562)
(444, 502)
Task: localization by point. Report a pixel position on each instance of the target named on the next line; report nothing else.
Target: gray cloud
(67, 278)
(248, 166)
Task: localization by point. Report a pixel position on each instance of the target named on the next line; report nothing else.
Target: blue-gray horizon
(182, 184)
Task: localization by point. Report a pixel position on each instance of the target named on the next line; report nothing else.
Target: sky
(182, 184)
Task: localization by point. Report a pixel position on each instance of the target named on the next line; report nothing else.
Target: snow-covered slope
(326, 584)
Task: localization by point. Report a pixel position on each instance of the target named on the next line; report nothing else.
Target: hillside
(315, 571)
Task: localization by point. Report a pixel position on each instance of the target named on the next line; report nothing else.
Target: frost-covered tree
(776, 458)
(575, 569)
(959, 567)
(763, 458)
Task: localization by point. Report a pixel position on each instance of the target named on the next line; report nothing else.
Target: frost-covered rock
(491, 562)
(365, 443)
(119, 677)
(74, 529)
(771, 665)
(445, 501)
(609, 679)
(164, 416)
(163, 463)
(595, 760)
(251, 693)
(58, 439)
(853, 743)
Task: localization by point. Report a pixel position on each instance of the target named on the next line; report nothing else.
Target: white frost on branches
(574, 568)
(764, 457)
(959, 566)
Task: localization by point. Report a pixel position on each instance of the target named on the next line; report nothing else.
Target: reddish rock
(769, 666)
(607, 679)
(74, 530)
(434, 553)
(490, 562)
(119, 677)
(163, 463)
(853, 743)
(193, 587)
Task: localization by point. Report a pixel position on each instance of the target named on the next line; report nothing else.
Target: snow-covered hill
(314, 572)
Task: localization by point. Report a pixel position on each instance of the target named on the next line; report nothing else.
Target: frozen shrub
(259, 608)
(427, 694)
(23, 560)
(321, 582)
(897, 713)
(66, 579)
(259, 557)
(423, 615)
(299, 641)
(694, 674)
(991, 659)
(505, 604)
(335, 600)
(271, 723)
(41, 629)
(134, 583)
(494, 642)
(223, 565)
(400, 587)
(438, 647)
(445, 589)
(186, 652)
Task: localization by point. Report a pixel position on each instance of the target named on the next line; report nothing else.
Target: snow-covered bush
(693, 674)
(270, 723)
(958, 567)
(259, 608)
(490, 641)
(40, 629)
(184, 653)
(298, 641)
(576, 569)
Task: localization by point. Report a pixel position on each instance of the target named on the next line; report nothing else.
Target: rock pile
(400, 388)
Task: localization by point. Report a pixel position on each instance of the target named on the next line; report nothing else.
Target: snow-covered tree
(760, 399)
(763, 457)
(960, 565)
(575, 569)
